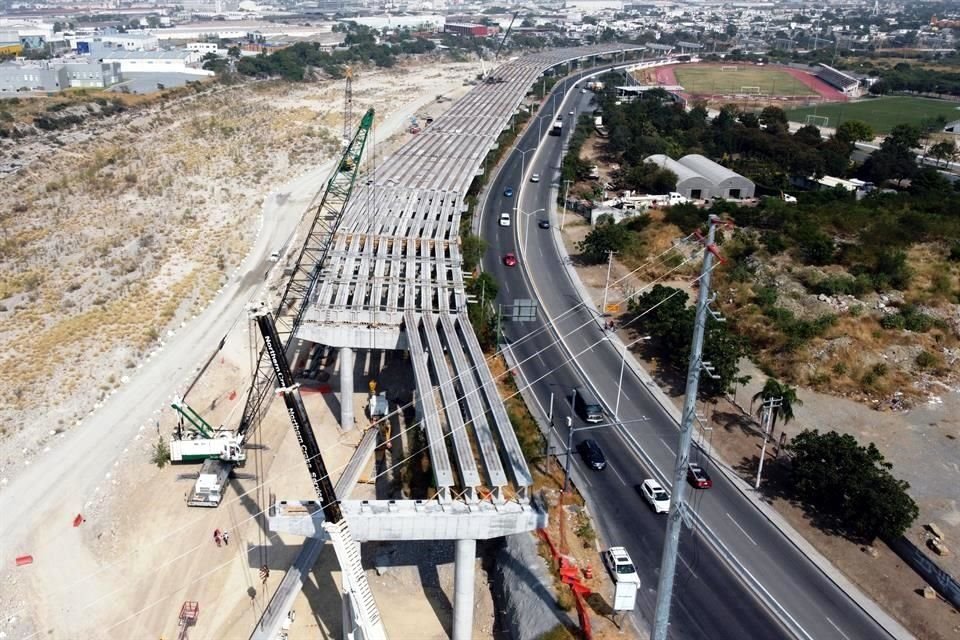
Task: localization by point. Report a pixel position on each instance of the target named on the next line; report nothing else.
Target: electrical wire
(398, 412)
(386, 470)
(528, 336)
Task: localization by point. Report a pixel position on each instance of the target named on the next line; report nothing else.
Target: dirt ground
(922, 444)
(140, 553)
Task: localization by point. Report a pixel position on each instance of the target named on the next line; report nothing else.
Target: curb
(867, 605)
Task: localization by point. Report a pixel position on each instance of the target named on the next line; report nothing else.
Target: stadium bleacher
(838, 79)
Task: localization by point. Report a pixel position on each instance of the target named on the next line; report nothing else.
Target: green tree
(663, 312)
(850, 131)
(484, 287)
(647, 177)
(808, 135)
(473, 248)
(603, 238)
(772, 388)
(772, 116)
(944, 151)
(849, 486)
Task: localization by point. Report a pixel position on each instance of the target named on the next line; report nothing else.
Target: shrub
(954, 255)
(818, 249)
(161, 453)
(775, 243)
(926, 360)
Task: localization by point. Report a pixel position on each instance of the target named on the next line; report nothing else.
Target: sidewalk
(893, 627)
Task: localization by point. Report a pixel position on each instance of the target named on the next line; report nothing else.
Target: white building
(97, 75)
(131, 41)
(177, 61)
(203, 48)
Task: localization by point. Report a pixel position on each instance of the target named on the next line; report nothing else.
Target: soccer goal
(750, 91)
(818, 121)
(729, 67)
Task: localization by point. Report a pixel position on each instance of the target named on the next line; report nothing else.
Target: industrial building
(467, 29)
(690, 184)
(54, 76)
(97, 75)
(699, 178)
(177, 61)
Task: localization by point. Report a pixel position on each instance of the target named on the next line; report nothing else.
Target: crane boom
(193, 417)
(505, 34)
(364, 609)
(306, 270)
(322, 485)
(213, 476)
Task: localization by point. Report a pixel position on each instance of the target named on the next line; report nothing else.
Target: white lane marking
(690, 569)
(837, 628)
(737, 525)
(667, 446)
(617, 473)
(540, 249)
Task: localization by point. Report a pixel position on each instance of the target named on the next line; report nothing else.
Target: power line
(390, 468)
(678, 513)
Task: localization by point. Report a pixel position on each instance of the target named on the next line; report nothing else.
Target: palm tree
(772, 388)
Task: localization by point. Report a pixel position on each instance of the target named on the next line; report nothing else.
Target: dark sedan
(592, 454)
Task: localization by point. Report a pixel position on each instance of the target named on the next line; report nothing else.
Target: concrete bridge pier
(464, 567)
(346, 388)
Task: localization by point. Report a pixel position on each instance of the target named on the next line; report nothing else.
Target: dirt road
(40, 499)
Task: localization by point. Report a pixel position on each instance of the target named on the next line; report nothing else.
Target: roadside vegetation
(852, 297)
(847, 488)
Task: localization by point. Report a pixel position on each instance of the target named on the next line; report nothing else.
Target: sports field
(883, 114)
(714, 80)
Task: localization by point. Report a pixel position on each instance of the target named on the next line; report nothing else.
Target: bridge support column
(346, 388)
(465, 560)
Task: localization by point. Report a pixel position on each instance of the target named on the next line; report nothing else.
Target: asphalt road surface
(710, 599)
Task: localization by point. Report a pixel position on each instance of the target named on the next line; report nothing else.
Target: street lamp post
(571, 430)
(526, 224)
(623, 362)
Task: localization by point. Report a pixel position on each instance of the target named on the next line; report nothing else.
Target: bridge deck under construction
(394, 280)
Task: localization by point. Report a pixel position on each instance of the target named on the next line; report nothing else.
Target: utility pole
(770, 408)
(606, 286)
(566, 192)
(566, 471)
(668, 562)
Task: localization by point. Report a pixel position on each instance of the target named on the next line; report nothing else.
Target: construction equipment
(189, 613)
(347, 105)
(215, 473)
(361, 602)
(203, 441)
(505, 35)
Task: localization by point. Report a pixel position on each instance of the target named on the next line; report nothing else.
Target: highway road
(710, 599)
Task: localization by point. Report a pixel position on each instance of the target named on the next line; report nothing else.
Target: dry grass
(125, 226)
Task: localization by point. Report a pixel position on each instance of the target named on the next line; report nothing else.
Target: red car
(510, 260)
(697, 477)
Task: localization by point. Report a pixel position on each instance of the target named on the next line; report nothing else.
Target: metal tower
(348, 107)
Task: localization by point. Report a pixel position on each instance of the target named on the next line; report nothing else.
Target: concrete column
(346, 388)
(465, 560)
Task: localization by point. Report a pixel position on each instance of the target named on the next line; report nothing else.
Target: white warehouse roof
(666, 162)
(707, 168)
